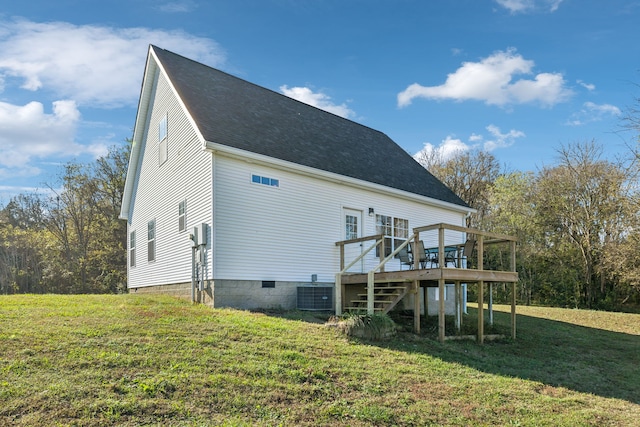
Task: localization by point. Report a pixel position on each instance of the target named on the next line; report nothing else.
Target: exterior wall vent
(319, 298)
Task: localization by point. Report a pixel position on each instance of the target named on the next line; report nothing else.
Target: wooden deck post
(370, 293)
(513, 310)
(490, 304)
(416, 306)
(481, 290)
(513, 291)
(458, 305)
(441, 318)
(338, 292)
(481, 312)
(441, 264)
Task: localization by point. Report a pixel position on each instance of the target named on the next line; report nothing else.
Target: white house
(244, 192)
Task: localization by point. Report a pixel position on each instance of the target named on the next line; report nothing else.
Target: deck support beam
(416, 306)
(370, 293)
(490, 304)
(458, 306)
(441, 318)
(338, 291)
(481, 312)
(513, 290)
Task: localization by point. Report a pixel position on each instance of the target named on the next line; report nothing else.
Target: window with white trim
(182, 215)
(265, 180)
(163, 153)
(394, 230)
(351, 227)
(151, 240)
(132, 249)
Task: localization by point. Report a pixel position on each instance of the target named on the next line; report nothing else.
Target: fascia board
(138, 133)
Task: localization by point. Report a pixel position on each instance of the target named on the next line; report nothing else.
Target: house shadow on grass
(555, 353)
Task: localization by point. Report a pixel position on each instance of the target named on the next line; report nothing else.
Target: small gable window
(182, 215)
(162, 140)
(264, 180)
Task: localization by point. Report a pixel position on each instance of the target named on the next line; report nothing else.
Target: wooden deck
(406, 282)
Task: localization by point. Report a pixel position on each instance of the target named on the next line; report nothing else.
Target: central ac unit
(318, 298)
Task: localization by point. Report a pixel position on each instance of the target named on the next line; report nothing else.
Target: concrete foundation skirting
(241, 294)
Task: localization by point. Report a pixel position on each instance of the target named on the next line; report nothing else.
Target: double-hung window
(151, 240)
(132, 249)
(394, 230)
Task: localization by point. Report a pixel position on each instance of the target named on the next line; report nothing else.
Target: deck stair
(386, 296)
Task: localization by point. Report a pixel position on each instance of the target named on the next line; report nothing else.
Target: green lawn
(151, 360)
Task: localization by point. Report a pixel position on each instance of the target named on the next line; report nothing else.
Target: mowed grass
(149, 360)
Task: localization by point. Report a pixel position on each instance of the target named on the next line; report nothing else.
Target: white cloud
(592, 112)
(522, 6)
(71, 67)
(93, 65)
(501, 140)
(492, 80)
(318, 100)
(450, 146)
(588, 86)
(178, 6)
(28, 132)
(447, 149)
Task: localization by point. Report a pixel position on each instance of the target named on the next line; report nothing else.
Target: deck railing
(438, 239)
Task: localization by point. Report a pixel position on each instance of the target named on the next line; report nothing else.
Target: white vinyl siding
(290, 234)
(283, 232)
(159, 190)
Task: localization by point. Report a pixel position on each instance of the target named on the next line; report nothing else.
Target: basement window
(268, 283)
(264, 180)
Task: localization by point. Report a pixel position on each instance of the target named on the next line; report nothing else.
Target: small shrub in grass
(376, 327)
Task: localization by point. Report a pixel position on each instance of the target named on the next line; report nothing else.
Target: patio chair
(405, 258)
(450, 256)
(421, 253)
(468, 249)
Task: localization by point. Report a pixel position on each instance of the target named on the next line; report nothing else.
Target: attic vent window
(263, 180)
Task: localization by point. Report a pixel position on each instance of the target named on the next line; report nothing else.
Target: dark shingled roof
(239, 114)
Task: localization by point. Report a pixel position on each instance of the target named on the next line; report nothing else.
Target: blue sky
(518, 78)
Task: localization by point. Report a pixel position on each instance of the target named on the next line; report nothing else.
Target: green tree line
(577, 224)
(70, 240)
